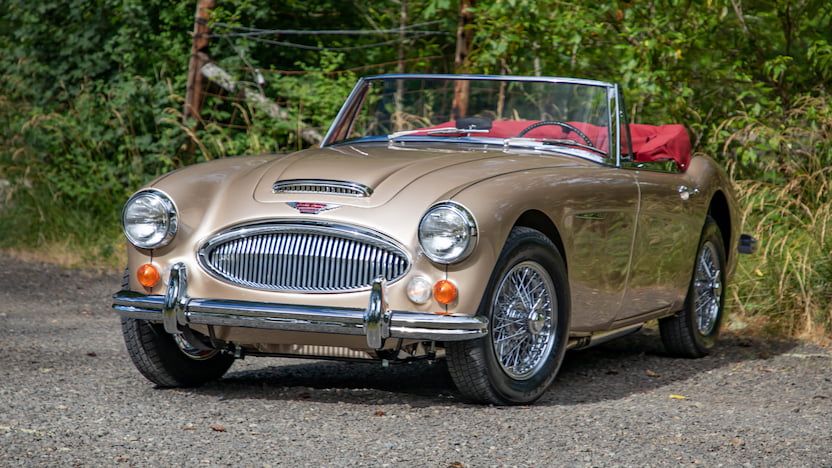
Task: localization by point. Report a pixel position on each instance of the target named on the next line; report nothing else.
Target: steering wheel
(568, 127)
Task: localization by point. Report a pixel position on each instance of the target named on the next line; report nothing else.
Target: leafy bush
(91, 93)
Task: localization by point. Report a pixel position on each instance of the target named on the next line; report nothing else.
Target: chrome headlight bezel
(167, 208)
(467, 222)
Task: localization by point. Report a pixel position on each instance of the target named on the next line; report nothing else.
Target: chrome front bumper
(176, 310)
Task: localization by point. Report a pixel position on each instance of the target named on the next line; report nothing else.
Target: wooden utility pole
(464, 38)
(199, 57)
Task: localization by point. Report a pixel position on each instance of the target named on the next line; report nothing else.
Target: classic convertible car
(493, 221)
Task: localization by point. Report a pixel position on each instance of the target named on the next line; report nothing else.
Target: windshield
(503, 111)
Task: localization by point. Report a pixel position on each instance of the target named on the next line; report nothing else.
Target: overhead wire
(327, 48)
(250, 31)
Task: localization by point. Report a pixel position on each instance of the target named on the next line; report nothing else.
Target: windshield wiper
(436, 131)
(553, 142)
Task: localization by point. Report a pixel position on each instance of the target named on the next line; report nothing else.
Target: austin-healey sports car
(491, 221)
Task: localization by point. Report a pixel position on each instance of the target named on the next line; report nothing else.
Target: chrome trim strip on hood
(322, 187)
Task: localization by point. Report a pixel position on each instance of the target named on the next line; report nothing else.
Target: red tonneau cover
(651, 143)
(661, 142)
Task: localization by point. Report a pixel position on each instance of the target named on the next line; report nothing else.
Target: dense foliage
(92, 95)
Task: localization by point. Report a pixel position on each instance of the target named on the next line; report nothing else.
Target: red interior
(651, 143)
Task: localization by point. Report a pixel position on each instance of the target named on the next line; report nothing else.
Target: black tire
(158, 358)
(474, 365)
(681, 333)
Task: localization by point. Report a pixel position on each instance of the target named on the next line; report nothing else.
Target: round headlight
(149, 219)
(447, 233)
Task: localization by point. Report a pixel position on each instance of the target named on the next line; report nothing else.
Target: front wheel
(169, 361)
(693, 332)
(527, 306)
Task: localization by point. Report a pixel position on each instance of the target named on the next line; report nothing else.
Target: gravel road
(70, 396)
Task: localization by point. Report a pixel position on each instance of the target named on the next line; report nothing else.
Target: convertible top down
(495, 221)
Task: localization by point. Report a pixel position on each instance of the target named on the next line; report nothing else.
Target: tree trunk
(398, 116)
(193, 93)
(464, 38)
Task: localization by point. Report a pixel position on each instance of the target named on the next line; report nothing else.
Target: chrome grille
(303, 257)
(325, 187)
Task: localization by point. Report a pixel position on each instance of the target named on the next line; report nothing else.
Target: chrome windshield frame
(613, 91)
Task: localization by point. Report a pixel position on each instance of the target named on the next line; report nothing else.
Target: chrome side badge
(312, 207)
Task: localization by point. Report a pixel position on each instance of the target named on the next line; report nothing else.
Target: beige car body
(628, 235)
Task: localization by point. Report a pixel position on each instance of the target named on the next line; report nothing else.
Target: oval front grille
(303, 257)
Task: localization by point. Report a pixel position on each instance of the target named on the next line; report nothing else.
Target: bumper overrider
(175, 310)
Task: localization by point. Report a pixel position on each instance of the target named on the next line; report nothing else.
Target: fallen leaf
(217, 428)
(379, 413)
(650, 373)
(455, 464)
(758, 272)
(678, 397)
(188, 427)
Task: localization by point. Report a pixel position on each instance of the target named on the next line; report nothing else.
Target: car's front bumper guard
(175, 310)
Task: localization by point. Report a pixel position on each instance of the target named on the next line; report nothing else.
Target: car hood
(389, 169)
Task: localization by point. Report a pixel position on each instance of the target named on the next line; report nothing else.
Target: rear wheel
(694, 331)
(527, 306)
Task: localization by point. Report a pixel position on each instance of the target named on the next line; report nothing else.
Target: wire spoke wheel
(192, 351)
(708, 288)
(692, 332)
(524, 315)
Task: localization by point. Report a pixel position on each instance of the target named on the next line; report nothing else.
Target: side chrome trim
(322, 187)
(376, 322)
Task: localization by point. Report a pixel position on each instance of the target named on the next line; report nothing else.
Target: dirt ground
(70, 396)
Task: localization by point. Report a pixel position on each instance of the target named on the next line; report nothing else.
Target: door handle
(686, 192)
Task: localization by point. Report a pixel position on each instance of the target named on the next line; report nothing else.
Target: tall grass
(787, 285)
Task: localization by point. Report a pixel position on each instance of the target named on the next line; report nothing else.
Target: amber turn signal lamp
(148, 275)
(444, 292)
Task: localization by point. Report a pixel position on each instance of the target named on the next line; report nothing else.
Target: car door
(603, 206)
(667, 233)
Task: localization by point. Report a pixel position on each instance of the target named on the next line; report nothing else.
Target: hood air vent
(322, 187)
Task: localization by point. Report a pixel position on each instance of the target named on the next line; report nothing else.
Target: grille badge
(312, 207)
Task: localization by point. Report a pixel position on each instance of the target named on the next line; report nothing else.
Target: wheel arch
(720, 211)
(539, 221)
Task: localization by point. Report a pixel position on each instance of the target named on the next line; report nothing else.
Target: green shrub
(789, 209)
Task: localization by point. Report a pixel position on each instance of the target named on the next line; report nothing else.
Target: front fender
(497, 204)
